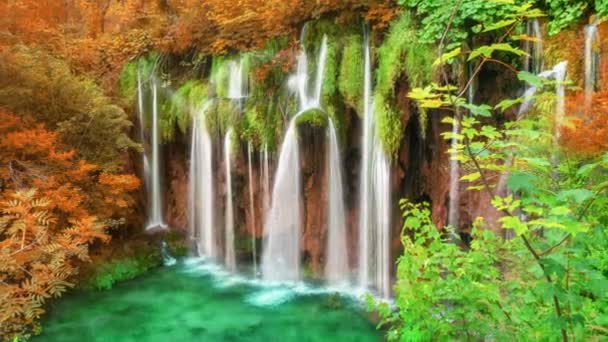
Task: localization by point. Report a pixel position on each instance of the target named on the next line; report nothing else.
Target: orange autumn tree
(586, 131)
(52, 207)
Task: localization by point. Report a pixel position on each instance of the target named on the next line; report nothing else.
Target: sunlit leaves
(531, 79)
(447, 57)
(487, 50)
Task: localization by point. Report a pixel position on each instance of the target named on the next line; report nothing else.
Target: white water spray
(282, 227)
(252, 211)
(229, 255)
(336, 267)
(591, 62)
(155, 212)
(533, 61)
(140, 111)
(237, 89)
(201, 190)
(281, 254)
(374, 197)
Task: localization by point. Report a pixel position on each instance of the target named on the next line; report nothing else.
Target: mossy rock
(314, 117)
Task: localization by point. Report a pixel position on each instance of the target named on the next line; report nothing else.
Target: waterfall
(374, 208)
(201, 188)
(252, 211)
(140, 112)
(336, 267)
(533, 61)
(591, 62)
(155, 212)
(558, 73)
(315, 101)
(560, 103)
(281, 253)
(230, 259)
(266, 180)
(299, 84)
(236, 86)
(454, 190)
(168, 259)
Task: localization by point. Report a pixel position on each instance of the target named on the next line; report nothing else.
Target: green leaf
(512, 222)
(508, 103)
(530, 78)
(520, 181)
(577, 195)
(412, 222)
(586, 169)
(498, 25)
(471, 177)
(447, 57)
(480, 110)
(488, 50)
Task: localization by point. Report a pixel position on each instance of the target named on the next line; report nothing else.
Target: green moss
(219, 75)
(177, 111)
(253, 128)
(221, 116)
(329, 88)
(350, 81)
(313, 117)
(176, 241)
(388, 125)
(391, 53)
(110, 273)
(127, 82)
(401, 52)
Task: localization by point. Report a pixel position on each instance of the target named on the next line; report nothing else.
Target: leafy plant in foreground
(549, 282)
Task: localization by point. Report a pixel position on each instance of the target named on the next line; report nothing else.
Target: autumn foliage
(99, 36)
(586, 131)
(52, 207)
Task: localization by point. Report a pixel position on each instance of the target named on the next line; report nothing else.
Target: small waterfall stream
(281, 253)
(533, 61)
(155, 215)
(141, 114)
(252, 211)
(558, 73)
(591, 62)
(454, 189)
(374, 197)
(236, 83)
(201, 191)
(266, 179)
(336, 267)
(229, 255)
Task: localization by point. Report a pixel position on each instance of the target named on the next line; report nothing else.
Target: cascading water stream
(266, 179)
(454, 189)
(336, 268)
(229, 255)
(281, 253)
(374, 197)
(201, 190)
(140, 111)
(252, 211)
(591, 62)
(533, 61)
(155, 212)
(236, 85)
(558, 73)
(560, 103)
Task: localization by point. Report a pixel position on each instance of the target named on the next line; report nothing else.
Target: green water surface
(178, 303)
